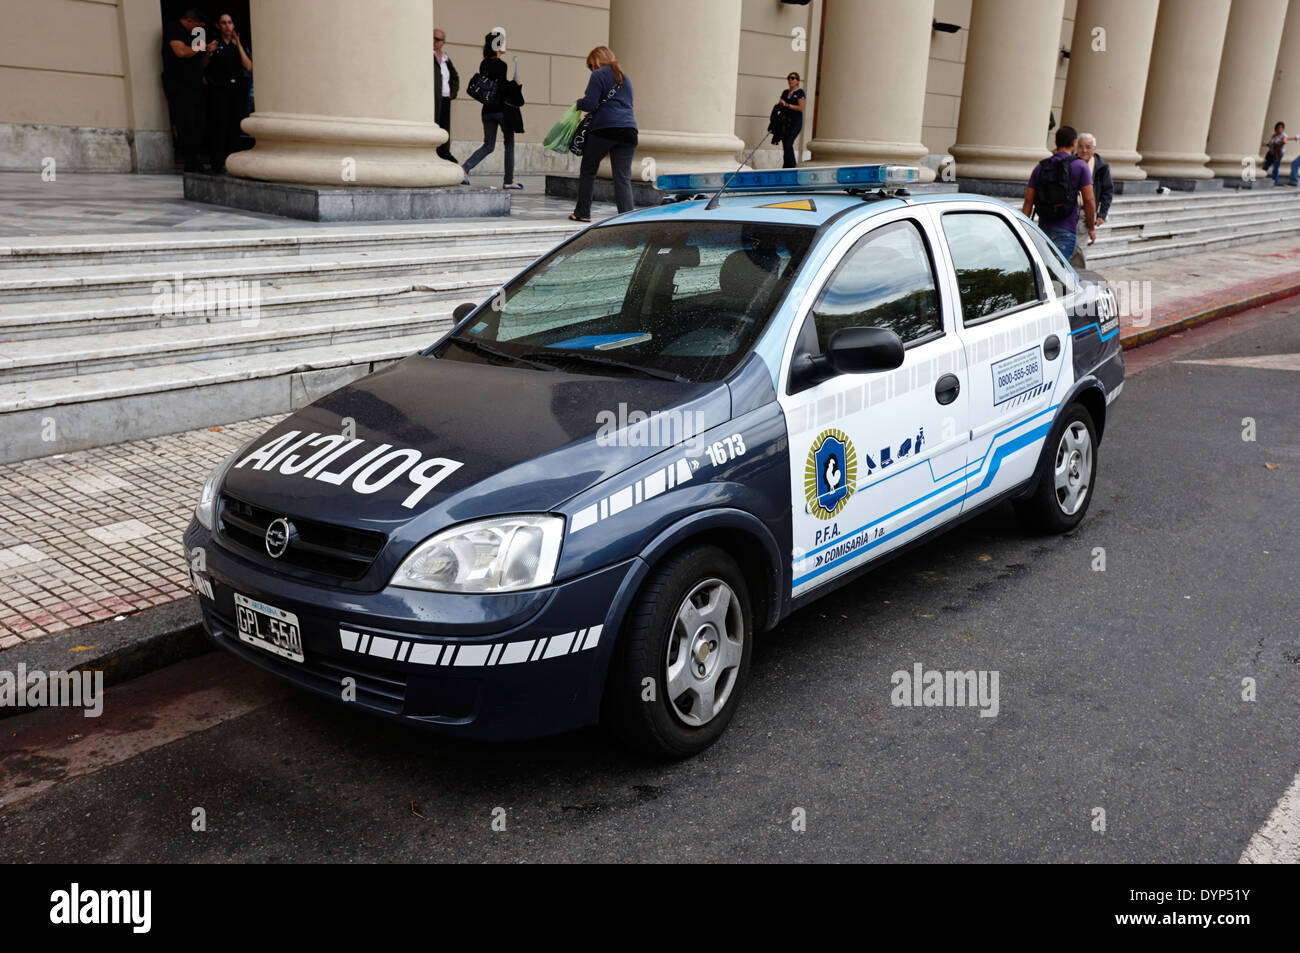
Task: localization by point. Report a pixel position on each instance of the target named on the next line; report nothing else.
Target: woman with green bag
(612, 131)
(561, 134)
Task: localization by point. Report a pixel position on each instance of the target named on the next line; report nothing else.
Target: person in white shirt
(446, 85)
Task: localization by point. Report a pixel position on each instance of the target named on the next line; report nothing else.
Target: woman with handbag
(501, 100)
(609, 129)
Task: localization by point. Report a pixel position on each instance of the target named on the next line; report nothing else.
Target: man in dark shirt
(227, 91)
(183, 81)
(1061, 228)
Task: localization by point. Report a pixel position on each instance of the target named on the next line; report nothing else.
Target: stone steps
(97, 314)
(53, 251)
(127, 350)
(60, 414)
(1188, 244)
(97, 345)
(168, 281)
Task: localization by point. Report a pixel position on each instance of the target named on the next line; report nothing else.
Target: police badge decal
(831, 474)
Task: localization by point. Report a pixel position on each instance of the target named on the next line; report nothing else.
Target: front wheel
(681, 662)
(1066, 476)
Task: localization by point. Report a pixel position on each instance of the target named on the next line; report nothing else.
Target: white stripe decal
(559, 645)
(479, 655)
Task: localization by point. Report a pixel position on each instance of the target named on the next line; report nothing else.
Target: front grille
(324, 548)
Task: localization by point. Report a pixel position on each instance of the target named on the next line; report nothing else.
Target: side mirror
(462, 310)
(850, 351)
(859, 350)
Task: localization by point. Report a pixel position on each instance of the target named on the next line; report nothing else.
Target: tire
(689, 700)
(1067, 475)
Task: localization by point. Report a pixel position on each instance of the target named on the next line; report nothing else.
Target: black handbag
(483, 88)
(579, 140)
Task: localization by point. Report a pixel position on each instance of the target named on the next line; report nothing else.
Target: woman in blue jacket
(612, 131)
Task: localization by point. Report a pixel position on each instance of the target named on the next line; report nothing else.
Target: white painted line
(1278, 841)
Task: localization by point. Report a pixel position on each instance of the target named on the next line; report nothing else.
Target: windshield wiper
(607, 362)
(476, 345)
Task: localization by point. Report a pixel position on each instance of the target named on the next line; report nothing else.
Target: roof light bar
(814, 178)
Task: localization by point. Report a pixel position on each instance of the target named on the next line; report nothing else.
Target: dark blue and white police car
(587, 499)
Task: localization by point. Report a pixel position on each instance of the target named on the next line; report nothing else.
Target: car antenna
(713, 202)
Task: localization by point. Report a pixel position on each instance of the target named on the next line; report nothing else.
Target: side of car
(1008, 363)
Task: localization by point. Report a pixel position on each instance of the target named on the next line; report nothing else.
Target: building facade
(1173, 89)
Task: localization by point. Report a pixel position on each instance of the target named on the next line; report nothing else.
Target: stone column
(1245, 78)
(344, 95)
(1108, 77)
(874, 58)
(1180, 88)
(1006, 95)
(682, 57)
(1284, 100)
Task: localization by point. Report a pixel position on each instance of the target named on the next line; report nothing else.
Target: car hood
(431, 442)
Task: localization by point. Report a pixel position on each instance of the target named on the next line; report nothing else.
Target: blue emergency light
(815, 178)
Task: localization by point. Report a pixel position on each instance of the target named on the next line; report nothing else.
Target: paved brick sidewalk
(96, 534)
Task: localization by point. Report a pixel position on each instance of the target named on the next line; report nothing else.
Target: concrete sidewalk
(90, 541)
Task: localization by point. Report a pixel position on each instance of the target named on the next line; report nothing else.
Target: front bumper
(479, 666)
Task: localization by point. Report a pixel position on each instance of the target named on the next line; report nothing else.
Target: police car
(587, 500)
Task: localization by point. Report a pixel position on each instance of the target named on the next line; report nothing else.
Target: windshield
(679, 300)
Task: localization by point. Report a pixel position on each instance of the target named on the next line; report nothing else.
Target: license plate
(268, 628)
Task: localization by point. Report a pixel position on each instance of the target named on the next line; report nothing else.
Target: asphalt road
(1118, 689)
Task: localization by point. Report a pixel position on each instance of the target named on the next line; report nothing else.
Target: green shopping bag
(561, 134)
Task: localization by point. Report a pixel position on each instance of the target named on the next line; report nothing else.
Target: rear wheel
(681, 662)
(1066, 476)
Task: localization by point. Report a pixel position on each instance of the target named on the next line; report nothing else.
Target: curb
(1148, 335)
(135, 646)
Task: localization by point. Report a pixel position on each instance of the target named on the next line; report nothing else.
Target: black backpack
(1054, 195)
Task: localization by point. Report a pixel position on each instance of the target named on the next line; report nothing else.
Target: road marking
(1268, 362)
(1278, 841)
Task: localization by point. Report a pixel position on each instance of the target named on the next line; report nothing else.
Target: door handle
(947, 388)
(1052, 348)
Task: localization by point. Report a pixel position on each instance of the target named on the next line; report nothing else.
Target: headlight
(208, 495)
(504, 554)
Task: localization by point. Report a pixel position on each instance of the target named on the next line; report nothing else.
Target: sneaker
(513, 185)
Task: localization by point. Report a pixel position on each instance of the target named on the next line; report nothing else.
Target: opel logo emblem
(277, 537)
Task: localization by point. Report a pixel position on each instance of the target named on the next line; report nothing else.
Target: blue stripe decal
(1005, 450)
(1096, 327)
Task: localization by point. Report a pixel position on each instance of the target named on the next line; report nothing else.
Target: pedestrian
(1053, 192)
(791, 106)
(612, 131)
(1103, 188)
(1276, 147)
(497, 113)
(446, 84)
(226, 86)
(183, 83)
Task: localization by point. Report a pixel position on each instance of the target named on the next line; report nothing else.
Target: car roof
(790, 207)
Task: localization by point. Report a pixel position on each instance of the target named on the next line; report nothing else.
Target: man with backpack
(1053, 193)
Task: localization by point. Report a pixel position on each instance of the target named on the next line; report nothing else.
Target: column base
(854, 152)
(317, 203)
(1124, 165)
(997, 163)
(334, 151)
(1135, 186)
(1177, 165)
(672, 153)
